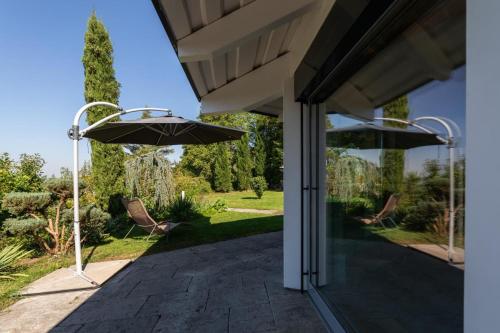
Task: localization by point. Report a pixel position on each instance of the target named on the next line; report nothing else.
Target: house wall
(482, 241)
(291, 186)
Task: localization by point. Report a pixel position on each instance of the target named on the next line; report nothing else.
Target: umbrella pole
(76, 210)
(76, 205)
(451, 232)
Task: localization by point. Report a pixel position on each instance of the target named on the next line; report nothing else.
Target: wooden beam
(249, 91)
(239, 26)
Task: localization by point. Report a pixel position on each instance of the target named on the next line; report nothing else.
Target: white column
(291, 185)
(482, 231)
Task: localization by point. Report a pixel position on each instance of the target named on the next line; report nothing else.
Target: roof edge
(170, 34)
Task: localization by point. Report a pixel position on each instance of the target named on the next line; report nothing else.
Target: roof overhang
(237, 53)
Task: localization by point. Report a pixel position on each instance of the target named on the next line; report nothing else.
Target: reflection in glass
(387, 218)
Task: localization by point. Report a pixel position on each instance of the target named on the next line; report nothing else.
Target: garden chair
(137, 212)
(386, 213)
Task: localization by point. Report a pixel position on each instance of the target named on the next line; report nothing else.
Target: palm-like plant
(8, 258)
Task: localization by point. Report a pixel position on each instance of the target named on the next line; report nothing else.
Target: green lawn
(247, 199)
(202, 230)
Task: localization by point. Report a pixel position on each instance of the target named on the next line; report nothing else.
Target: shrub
(259, 185)
(9, 256)
(21, 203)
(421, 216)
(181, 210)
(359, 207)
(61, 186)
(219, 206)
(93, 223)
(192, 186)
(22, 227)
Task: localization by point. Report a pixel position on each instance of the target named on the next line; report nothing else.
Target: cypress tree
(243, 164)
(259, 152)
(393, 161)
(101, 85)
(222, 169)
(271, 132)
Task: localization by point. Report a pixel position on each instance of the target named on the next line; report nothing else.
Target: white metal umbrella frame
(450, 142)
(75, 134)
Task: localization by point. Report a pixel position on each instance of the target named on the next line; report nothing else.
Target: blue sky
(41, 75)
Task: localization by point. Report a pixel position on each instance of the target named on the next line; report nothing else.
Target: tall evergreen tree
(271, 132)
(101, 85)
(259, 153)
(243, 164)
(393, 161)
(222, 169)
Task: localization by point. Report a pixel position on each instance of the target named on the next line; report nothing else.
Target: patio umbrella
(371, 136)
(161, 131)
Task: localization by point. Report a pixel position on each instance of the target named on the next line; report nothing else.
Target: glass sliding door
(379, 218)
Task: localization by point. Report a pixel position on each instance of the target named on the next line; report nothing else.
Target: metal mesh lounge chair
(137, 212)
(385, 213)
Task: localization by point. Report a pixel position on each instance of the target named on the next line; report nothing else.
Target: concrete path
(440, 251)
(230, 286)
(52, 297)
(255, 211)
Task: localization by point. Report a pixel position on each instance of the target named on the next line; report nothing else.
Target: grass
(355, 230)
(248, 199)
(202, 230)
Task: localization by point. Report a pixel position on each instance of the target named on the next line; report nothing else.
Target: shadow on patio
(230, 286)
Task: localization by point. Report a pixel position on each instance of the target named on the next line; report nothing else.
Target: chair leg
(392, 221)
(382, 224)
(154, 228)
(129, 231)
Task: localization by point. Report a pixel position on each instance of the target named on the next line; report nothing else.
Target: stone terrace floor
(230, 286)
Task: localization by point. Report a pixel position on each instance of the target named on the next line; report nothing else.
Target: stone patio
(230, 286)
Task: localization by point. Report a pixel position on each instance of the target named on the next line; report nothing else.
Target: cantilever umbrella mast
(367, 136)
(159, 131)
(450, 142)
(76, 134)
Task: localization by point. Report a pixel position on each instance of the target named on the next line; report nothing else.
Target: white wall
(482, 233)
(291, 186)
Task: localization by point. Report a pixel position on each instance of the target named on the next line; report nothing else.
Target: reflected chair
(386, 213)
(137, 212)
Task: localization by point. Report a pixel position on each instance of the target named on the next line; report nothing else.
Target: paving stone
(237, 297)
(132, 325)
(161, 286)
(103, 310)
(174, 304)
(296, 317)
(66, 329)
(254, 318)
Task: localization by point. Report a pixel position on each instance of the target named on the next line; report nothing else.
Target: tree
(26, 175)
(259, 154)
(222, 169)
(243, 164)
(393, 161)
(271, 132)
(101, 85)
(149, 177)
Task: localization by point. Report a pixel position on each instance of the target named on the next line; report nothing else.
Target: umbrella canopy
(162, 131)
(371, 136)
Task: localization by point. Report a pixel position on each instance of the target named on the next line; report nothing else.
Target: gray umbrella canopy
(371, 136)
(162, 131)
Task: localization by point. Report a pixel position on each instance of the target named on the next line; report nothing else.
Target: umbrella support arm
(75, 134)
(450, 142)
